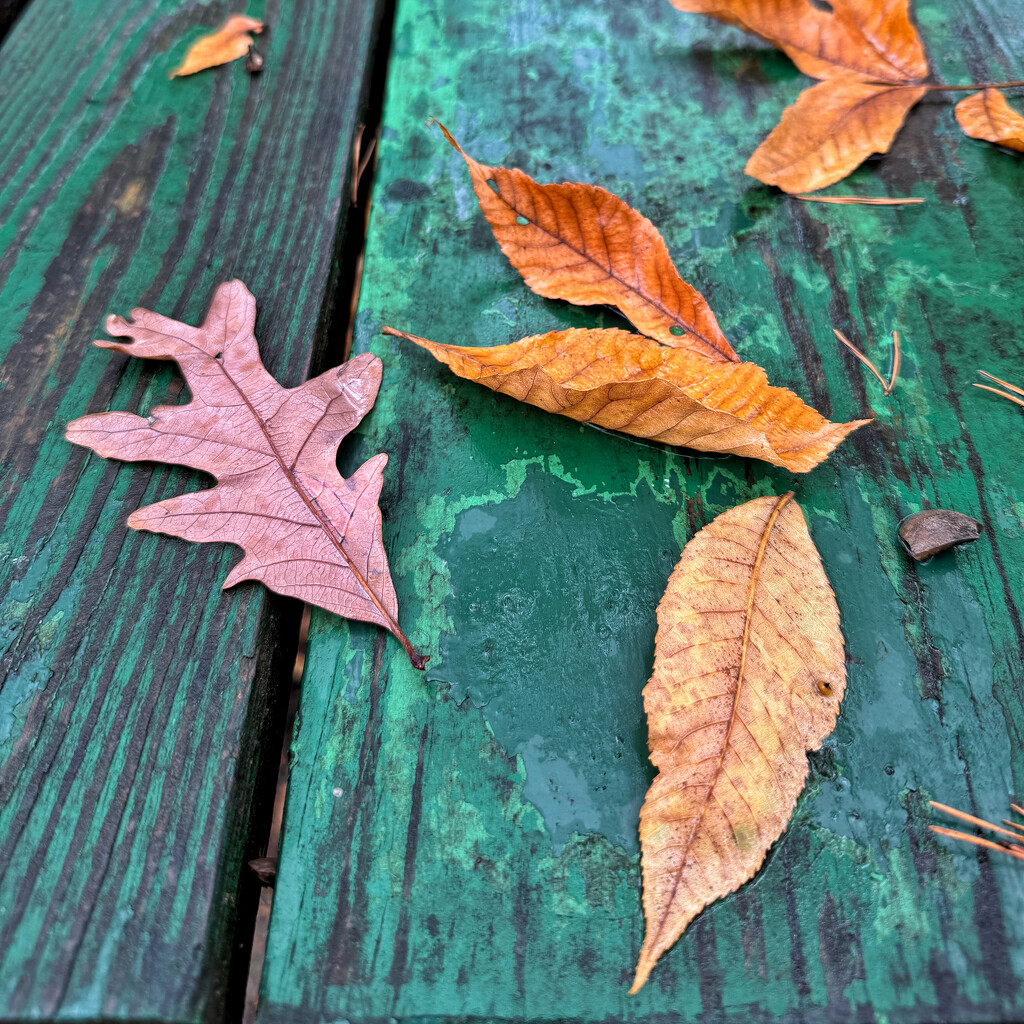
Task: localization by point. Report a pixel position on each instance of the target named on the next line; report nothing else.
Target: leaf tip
(644, 966)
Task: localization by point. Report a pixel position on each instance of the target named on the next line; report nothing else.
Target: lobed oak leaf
(627, 382)
(871, 62)
(748, 675)
(581, 243)
(306, 531)
(231, 41)
(986, 115)
(831, 129)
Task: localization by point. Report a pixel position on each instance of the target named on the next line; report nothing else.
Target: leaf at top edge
(871, 38)
(306, 531)
(986, 115)
(748, 675)
(833, 127)
(583, 244)
(630, 383)
(230, 42)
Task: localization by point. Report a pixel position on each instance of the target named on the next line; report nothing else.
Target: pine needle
(887, 388)
(859, 200)
(1014, 847)
(1001, 394)
(978, 841)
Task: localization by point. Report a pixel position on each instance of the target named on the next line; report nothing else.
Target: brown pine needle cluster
(887, 386)
(861, 200)
(1013, 845)
(1002, 394)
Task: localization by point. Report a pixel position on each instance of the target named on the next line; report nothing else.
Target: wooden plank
(463, 846)
(141, 708)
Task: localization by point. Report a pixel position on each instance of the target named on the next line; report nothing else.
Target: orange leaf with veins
(986, 115)
(626, 382)
(829, 131)
(871, 38)
(872, 65)
(228, 43)
(306, 531)
(583, 244)
(748, 675)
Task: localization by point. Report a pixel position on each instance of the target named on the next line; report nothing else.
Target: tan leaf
(748, 675)
(986, 115)
(583, 244)
(831, 129)
(872, 38)
(228, 43)
(627, 382)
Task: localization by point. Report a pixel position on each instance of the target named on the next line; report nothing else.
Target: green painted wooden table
(141, 709)
(464, 846)
(461, 844)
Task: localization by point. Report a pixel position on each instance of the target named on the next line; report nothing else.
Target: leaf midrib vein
(698, 816)
(675, 317)
(309, 502)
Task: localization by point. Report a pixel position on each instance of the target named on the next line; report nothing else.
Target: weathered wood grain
(140, 707)
(464, 848)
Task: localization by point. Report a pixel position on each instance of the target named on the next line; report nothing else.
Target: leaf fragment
(934, 530)
(306, 531)
(583, 244)
(230, 42)
(748, 675)
(832, 128)
(986, 115)
(630, 383)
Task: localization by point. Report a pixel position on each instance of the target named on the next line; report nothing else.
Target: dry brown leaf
(872, 63)
(306, 531)
(986, 115)
(627, 382)
(831, 129)
(228, 43)
(748, 675)
(583, 244)
(872, 38)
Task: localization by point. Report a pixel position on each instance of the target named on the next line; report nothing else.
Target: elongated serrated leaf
(627, 382)
(583, 244)
(748, 675)
(306, 531)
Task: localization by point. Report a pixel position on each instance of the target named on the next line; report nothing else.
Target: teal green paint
(135, 695)
(490, 503)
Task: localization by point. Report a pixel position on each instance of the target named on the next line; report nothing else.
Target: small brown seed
(253, 60)
(933, 530)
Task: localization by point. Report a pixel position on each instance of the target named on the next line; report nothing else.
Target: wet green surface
(464, 845)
